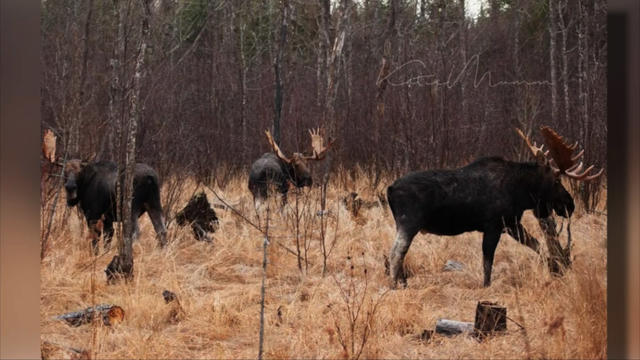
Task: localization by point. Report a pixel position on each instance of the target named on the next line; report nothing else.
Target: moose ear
(91, 159)
(541, 159)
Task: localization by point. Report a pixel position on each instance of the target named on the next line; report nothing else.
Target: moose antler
(319, 150)
(49, 146)
(535, 149)
(562, 154)
(275, 147)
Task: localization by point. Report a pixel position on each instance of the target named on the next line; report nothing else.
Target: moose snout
(72, 193)
(565, 209)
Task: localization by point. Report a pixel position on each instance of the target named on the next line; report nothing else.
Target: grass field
(306, 314)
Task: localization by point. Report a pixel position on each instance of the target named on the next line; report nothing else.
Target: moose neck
(531, 180)
(290, 172)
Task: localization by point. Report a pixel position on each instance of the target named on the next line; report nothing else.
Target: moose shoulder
(92, 186)
(488, 195)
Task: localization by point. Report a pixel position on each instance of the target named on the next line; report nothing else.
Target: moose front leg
(490, 241)
(108, 234)
(158, 225)
(95, 231)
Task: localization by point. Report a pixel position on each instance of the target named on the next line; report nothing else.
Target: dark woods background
(402, 85)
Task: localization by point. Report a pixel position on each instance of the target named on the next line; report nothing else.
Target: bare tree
(123, 262)
(277, 68)
(396, 68)
(552, 59)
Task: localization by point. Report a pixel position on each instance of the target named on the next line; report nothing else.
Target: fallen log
(453, 265)
(453, 327)
(109, 314)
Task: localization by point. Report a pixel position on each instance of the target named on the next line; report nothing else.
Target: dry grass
(219, 288)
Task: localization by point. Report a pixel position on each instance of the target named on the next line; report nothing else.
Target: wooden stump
(176, 312)
(490, 317)
(119, 267)
(200, 216)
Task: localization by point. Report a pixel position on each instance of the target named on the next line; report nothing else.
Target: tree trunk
(123, 262)
(583, 50)
(243, 89)
(277, 66)
(564, 27)
(552, 61)
(115, 92)
(463, 54)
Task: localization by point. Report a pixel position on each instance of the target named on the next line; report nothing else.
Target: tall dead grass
(218, 286)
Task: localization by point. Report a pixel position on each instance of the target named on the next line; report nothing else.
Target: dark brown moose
(92, 186)
(489, 195)
(275, 170)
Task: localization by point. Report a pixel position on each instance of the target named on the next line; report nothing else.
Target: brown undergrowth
(306, 314)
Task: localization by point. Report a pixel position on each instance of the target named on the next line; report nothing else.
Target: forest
(190, 87)
(401, 85)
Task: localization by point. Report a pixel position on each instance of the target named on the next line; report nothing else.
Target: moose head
(297, 165)
(557, 161)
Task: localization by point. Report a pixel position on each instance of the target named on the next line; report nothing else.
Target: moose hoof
(393, 284)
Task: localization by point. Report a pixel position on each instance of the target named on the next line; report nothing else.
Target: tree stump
(176, 312)
(118, 268)
(199, 214)
(490, 317)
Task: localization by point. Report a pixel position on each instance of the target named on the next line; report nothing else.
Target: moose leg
(95, 230)
(158, 225)
(397, 254)
(108, 234)
(490, 241)
(135, 214)
(518, 232)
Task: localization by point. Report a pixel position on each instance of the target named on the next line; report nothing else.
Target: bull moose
(489, 195)
(92, 186)
(276, 170)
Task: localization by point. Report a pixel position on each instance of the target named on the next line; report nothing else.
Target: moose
(275, 170)
(92, 186)
(489, 195)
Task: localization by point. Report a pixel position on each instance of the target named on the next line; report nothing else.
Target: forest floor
(307, 315)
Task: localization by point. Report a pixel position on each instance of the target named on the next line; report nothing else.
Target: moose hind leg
(397, 254)
(158, 225)
(490, 241)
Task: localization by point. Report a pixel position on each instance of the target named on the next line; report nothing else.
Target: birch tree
(122, 264)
